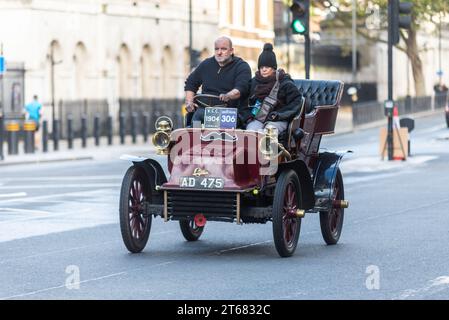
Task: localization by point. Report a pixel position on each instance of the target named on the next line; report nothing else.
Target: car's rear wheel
(190, 230)
(135, 223)
(332, 221)
(286, 224)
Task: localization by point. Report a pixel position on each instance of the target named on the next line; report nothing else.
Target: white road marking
(27, 294)
(62, 186)
(64, 178)
(13, 195)
(243, 247)
(98, 207)
(52, 253)
(434, 286)
(52, 196)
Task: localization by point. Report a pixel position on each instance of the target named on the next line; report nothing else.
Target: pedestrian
(264, 109)
(33, 112)
(224, 75)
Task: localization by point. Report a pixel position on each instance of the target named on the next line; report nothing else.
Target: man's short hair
(225, 38)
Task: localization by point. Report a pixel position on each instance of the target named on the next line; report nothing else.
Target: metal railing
(367, 112)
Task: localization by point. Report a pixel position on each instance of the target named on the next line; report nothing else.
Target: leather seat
(320, 93)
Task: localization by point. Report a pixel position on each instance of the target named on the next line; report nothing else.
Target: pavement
(91, 152)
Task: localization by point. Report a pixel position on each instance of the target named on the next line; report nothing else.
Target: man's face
(223, 51)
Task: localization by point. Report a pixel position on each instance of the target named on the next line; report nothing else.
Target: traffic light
(400, 18)
(300, 16)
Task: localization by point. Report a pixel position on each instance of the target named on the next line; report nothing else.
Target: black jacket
(217, 80)
(289, 101)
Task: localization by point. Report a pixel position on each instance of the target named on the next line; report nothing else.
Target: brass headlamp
(161, 139)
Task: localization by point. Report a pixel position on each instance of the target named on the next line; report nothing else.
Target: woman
(288, 97)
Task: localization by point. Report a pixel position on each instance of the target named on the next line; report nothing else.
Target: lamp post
(354, 41)
(190, 35)
(2, 67)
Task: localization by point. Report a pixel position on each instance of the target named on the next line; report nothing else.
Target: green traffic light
(298, 27)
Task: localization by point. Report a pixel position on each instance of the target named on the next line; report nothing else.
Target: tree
(423, 12)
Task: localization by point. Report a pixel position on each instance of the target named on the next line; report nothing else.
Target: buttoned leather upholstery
(320, 93)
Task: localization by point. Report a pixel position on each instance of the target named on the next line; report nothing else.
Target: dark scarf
(264, 85)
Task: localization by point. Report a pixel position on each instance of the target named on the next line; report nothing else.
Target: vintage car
(218, 173)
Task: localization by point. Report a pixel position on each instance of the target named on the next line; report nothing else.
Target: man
(33, 112)
(223, 75)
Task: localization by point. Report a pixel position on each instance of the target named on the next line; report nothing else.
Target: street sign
(2, 64)
(388, 107)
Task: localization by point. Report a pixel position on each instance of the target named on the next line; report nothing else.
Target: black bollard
(134, 127)
(145, 126)
(1, 137)
(97, 129)
(70, 131)
(83, 130)
(56, 135)
(45, 136)
(122, 128)
(29, 129)
(110, 130)
(12, 128)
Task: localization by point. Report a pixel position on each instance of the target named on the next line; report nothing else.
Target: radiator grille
(190, 203)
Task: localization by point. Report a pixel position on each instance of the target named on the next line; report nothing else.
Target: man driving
(223, 75)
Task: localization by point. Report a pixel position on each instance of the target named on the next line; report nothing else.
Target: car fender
(305, 180)
(154, 170)
(324, 175)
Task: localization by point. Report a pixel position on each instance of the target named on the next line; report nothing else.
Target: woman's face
(266, 71)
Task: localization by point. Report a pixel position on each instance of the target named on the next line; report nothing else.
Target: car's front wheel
(135, 222)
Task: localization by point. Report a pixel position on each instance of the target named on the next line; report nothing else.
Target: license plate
(220, 118)
(201, 182)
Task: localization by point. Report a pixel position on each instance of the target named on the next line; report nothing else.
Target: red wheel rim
(137, 221)
(289, 219)
(336, 213)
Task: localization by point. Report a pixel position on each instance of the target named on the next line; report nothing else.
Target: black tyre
(286, 225)
(135, 224)
(190, 230)
(332, 221)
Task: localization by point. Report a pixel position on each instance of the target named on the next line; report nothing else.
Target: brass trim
(238, 208)
(165, 206)
(198, 172)
(300, 213)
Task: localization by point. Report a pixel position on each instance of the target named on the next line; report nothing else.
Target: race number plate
(220, 118)
(201, 182)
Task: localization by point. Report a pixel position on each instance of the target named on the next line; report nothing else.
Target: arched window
(168, 65)
(54, 59)
(147, 72)
(125, 72)
(80, 60)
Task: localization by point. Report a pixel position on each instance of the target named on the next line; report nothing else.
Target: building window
(237, 14)
(250, 13)
(224, 12)
(264, 12)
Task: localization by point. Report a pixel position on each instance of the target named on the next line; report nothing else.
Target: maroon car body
(242, 176)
